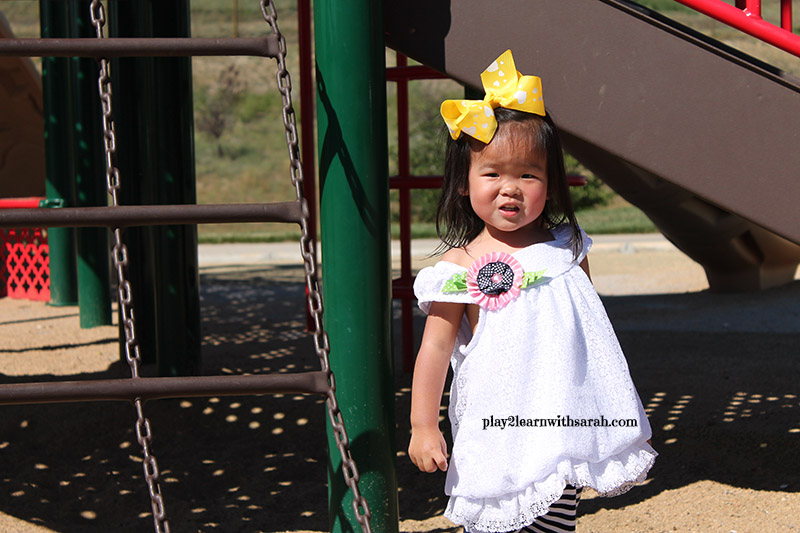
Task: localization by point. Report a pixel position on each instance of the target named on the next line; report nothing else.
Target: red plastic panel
(26, 262)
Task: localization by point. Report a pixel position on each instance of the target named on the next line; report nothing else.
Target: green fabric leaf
(529, 278)
(457, 283)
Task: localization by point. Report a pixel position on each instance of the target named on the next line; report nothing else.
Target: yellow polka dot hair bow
(505, 87)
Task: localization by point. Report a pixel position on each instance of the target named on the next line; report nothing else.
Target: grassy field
(245, 159)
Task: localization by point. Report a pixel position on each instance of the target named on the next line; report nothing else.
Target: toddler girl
(541, 403)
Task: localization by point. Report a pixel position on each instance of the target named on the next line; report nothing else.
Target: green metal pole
(132, 80)
(94, 292)
(53, 16)
(156, 157)
(354, 202)
(176, 246)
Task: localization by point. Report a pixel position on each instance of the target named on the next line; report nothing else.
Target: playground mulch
(718, 374)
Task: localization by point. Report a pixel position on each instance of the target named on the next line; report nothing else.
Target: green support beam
(59, 185)
(133, 121)
(354, 205)
(176, 246)
(94, 289)
(155, 133)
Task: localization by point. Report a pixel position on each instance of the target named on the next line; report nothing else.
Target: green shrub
(255, 106)
(594, 194)
(214, 110)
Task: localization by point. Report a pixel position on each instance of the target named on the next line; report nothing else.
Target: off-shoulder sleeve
(562, 235)
(430, 282)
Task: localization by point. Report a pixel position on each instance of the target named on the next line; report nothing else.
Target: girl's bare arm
(427, 449)
(585, 266)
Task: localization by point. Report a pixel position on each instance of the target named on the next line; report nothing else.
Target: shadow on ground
(717, 374)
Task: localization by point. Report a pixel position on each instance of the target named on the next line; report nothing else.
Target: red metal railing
(402, 287)
(307, 145)
(745, 16)
(21, 203)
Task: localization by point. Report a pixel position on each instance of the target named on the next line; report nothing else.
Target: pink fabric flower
(493, 280)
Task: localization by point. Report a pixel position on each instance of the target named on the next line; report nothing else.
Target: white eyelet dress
(541, 395)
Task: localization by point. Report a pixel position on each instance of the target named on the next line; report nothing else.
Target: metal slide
(702, 138)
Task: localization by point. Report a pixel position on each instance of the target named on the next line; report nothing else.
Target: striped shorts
(559, 519)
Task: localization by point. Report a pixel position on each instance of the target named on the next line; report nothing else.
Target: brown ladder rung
(266, 46)
(150, 215)
(130, 389)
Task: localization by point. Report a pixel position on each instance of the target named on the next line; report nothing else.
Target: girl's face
(508, 179)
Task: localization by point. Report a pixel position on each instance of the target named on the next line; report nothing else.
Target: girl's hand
(428, 449)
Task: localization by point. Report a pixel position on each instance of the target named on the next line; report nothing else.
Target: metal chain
(120, 260)
(308, 248)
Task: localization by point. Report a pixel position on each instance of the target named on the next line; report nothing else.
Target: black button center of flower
(495, 278)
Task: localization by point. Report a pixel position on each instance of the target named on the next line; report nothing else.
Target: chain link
(308, 249)
(124, 292)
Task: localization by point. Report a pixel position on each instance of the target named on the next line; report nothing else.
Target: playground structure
(138, 389)
(626, 157)
(666, 116)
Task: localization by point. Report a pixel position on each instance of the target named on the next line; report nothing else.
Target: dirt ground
(718, 374)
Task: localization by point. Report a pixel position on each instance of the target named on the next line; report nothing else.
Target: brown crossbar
(150, 215)
(141, 47)
(130, 389)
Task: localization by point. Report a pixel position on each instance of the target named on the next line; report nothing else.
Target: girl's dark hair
(456, 222)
